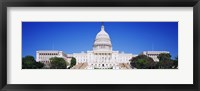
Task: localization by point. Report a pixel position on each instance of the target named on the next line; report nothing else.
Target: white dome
(102, 41)
(102, 34)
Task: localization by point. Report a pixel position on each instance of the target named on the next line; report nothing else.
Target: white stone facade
(44, 56)
(102, 56)
(153, 54)
(102, 60)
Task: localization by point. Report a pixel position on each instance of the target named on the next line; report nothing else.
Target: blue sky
(74, 37)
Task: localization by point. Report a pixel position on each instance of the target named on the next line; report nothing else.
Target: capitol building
(101, 57)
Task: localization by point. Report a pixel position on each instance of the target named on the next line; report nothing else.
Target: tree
(28, 62)
(142, 62)
(73, 62)
(164, 57)
(145, 62)
(176, 58)
(39, 64)
(57, 63)
(165, 61)
(165, 64)
(175, 64)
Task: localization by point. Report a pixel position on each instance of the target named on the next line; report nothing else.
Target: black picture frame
(99, 3)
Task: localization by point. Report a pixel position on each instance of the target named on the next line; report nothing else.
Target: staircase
(80, 66)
